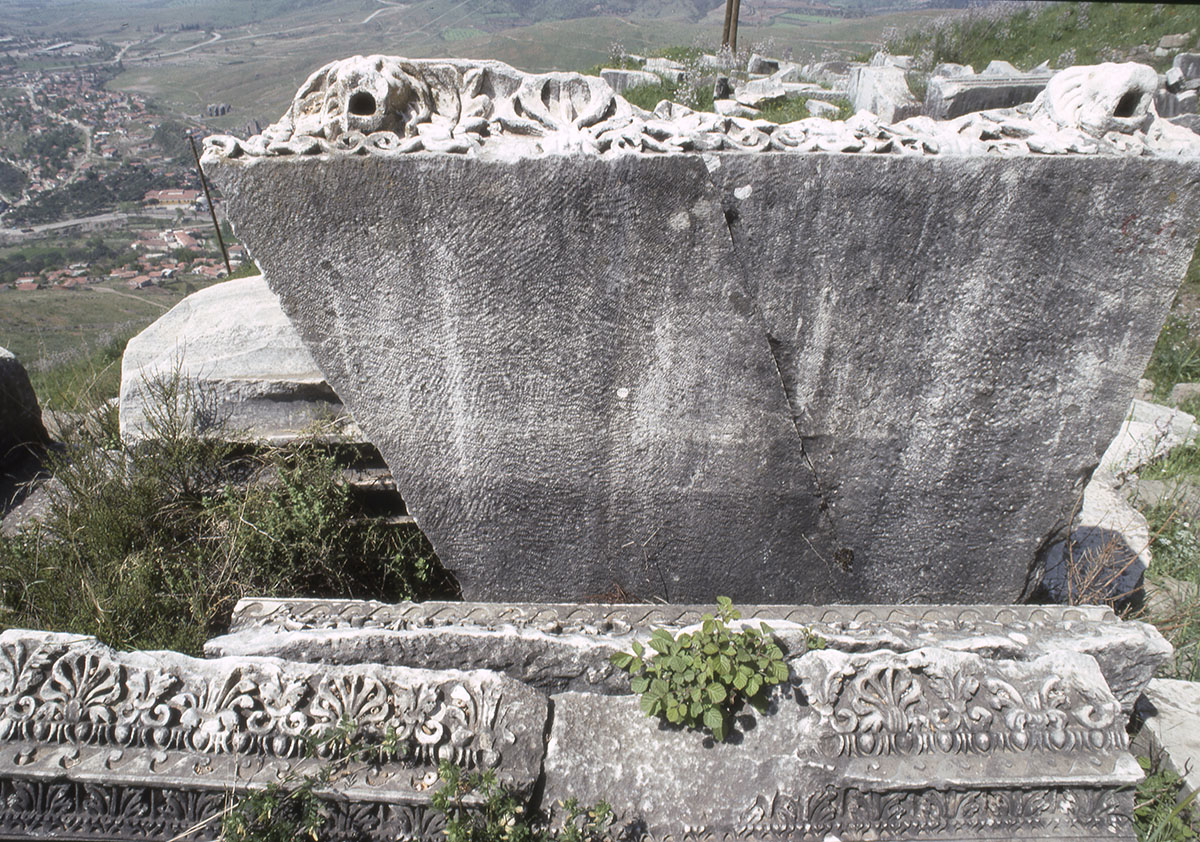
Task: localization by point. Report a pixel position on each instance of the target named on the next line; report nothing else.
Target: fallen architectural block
(882, 90)
(623, 80)
(228, 354)
(953, 96)
(567, 647)
(108, 745)
(664, 376)
(1170, 716)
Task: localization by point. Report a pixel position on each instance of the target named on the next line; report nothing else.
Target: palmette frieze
(240, 717)
(938, 701)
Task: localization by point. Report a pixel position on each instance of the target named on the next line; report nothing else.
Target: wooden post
(208, 198)
(728, 23)
(737, 8)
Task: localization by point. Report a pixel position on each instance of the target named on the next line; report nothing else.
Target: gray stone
(168, 736)
(773, 418)
(818, 108)
(1189, 63)
(1148, 431)
(759, 92)
(1174, 79)
(1107, 553)
(1145, 390)
(239, 360)
(863, 419)
(733, 108)
(21, 425)
(947, 97)
(623, 80)
(666, 68)
(883, 91)
(949, 70)
(567, 647)
(1191, 122)
(1183, 392)
(998, 67)
(865, 746)
(764, 66)
(1170, 714)
(888, 60)
(1175, 42)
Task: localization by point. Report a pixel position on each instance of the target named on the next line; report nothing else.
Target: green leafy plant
(1159, 814)
(701, 679)
(496, 815)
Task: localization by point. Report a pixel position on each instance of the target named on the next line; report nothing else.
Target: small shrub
(701, 679)
(151, 545)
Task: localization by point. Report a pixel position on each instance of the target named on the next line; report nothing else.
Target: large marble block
(606, 351)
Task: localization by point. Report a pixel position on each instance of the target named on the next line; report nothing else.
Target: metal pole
(733, 28)
(208, 198)
(728, 20)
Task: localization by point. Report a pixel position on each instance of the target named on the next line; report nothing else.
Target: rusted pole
(212, 210)
(728, 22)
(733, 26)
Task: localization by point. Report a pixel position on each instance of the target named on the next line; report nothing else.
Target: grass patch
(1061, 33)
(1176, 357)
(150, 546)
(84, 382)
(1159, 815)
(1175, 548)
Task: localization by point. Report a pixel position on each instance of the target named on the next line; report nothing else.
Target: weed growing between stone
(1159, 814)
(472, 807)
(291, 810)
(501, 817)
(150, 546)
(1174, 582)
(701, 679)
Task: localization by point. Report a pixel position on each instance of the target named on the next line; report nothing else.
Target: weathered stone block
(675, 374)
(930, 744)
(1170, 731)
(238, 358)
(952, 96)
(883, 91)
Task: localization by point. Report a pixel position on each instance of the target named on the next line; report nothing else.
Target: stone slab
(667, 367)
(567, 647)
(883, 91)
(928, 744)
(1148, 431)
(240, 359)
(1170, 715)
